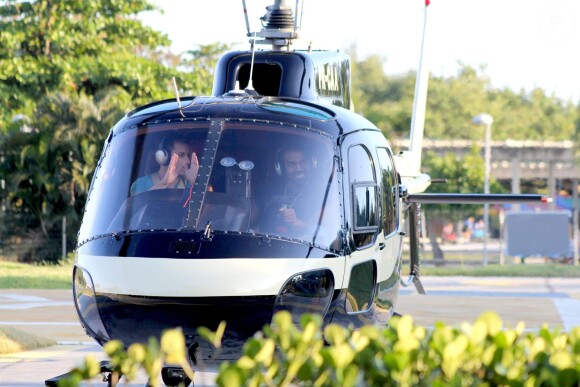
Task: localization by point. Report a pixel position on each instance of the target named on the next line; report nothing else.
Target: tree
(83, 47)
(202, 61)
(70, 69)
(48, 172)
(385, 101)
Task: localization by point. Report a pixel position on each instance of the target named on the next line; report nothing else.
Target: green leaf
(501, 340)
(405, 326)
(359, 341)
(246, 363)
(406, 344)
(561, 360)
(537, 346)
(492, 322)
(478, 332)
(351, 376)
(113, 348)
(173, 345)
(92, 366)
(310, 331)
(335, 334)
(266, 353)
(341, 355)
(230, 377)
(137, 352)
(559, 342)
(283, 320)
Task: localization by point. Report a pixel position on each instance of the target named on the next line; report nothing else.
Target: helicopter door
(390, 240)
(363, 218)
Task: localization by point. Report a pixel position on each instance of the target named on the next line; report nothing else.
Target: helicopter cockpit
(260, 178)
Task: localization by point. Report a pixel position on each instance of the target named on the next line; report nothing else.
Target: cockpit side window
(363, 187)
(389, 191)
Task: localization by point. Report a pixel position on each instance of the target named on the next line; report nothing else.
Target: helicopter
(282, 198)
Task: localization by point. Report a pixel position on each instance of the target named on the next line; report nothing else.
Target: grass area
(469, 263)
(465, 256)
(25, 276)
(514, 270)
(13, 340)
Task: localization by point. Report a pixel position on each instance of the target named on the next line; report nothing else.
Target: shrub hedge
(403, 354)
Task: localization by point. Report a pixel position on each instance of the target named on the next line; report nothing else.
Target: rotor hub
(279, 17)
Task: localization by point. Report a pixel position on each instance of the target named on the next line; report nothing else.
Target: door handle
(381, 246)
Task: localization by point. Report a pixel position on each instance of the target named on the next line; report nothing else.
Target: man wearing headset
(288, 211)
(176, 169)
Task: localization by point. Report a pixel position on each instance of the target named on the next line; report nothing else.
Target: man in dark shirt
(290, 210)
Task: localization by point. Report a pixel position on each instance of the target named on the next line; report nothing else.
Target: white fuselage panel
(164, 277)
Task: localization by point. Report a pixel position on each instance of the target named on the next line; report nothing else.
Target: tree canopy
(74, 46)
(69, 70)
(452, 102)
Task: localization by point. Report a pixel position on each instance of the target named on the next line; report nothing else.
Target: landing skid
(174, 376)
(171, 375)
(106, 371)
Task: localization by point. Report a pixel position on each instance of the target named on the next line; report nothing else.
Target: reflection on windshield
(247, 178)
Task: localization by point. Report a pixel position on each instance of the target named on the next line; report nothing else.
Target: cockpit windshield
(233, 175)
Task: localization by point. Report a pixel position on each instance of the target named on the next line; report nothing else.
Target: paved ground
(535, 301)
(51, 314)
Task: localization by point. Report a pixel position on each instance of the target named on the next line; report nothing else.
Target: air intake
(184, 247)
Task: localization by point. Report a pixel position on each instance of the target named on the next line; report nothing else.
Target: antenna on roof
(177, 96)
(246, 16)
(176, 93)
(250, 88)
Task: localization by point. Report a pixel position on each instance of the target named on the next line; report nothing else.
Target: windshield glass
(240, 176)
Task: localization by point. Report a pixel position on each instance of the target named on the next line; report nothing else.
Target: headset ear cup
(163, 152)
(161, 157)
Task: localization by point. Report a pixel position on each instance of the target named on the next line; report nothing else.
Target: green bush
(482, 353)
(403, 354)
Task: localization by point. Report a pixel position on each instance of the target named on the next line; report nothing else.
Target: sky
(520, 44)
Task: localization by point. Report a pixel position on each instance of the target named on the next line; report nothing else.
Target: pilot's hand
(192, 171)
(171, 176)
(289, 216)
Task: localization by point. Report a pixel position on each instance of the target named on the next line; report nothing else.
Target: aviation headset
(279, 163)
(163, 152)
